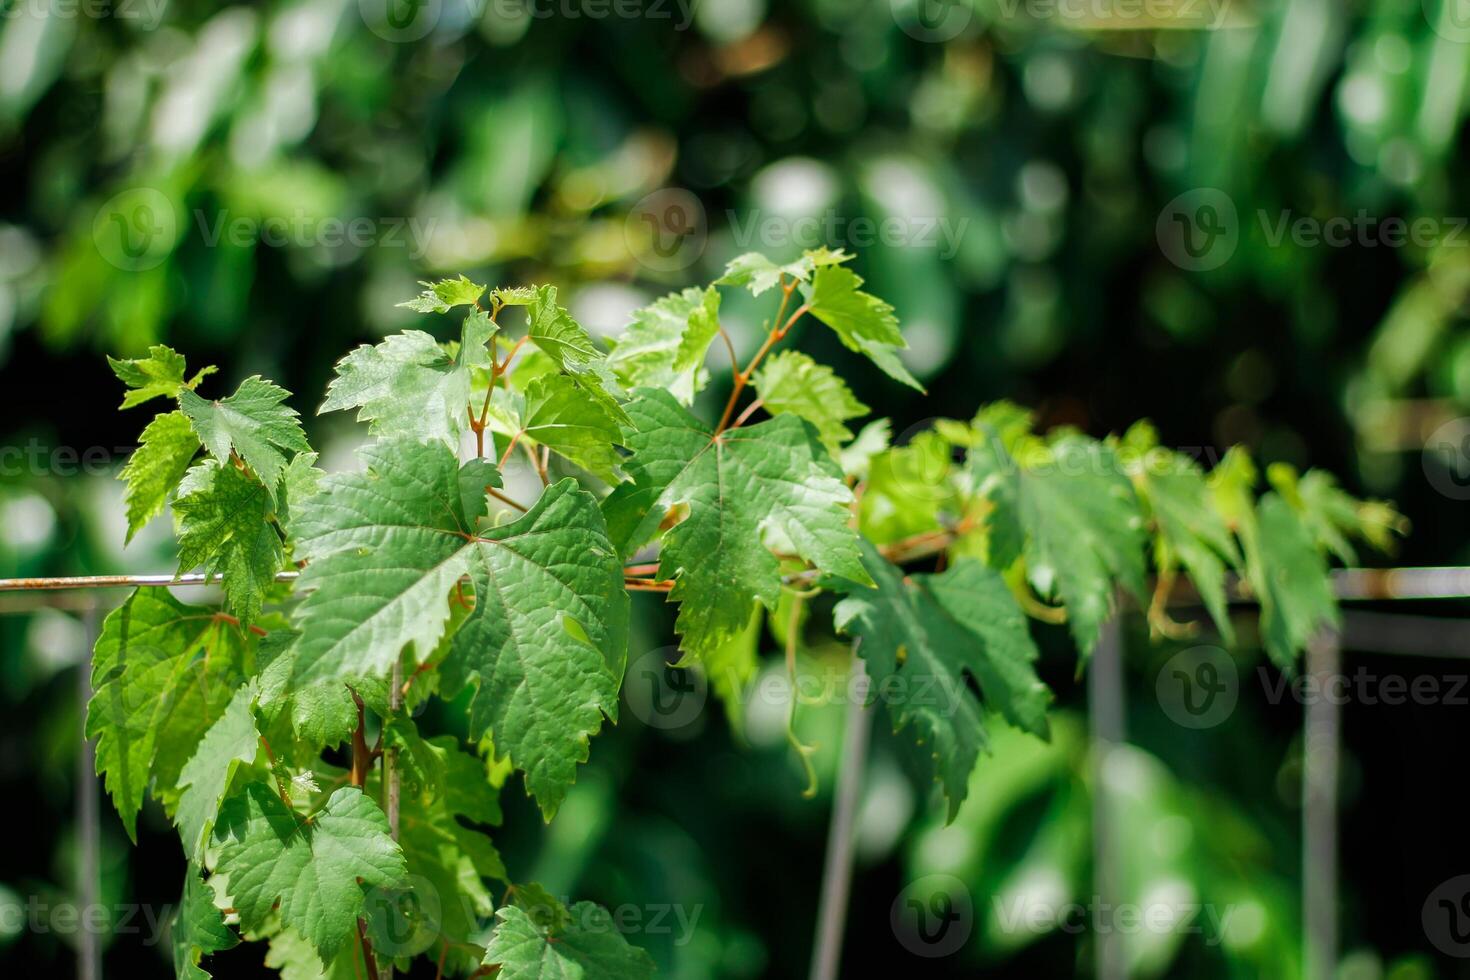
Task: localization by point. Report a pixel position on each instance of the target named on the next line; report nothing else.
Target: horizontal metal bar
(117, 581)
(1350, 584)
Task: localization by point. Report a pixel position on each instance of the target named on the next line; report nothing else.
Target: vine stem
(779, 329)
(392, 777)
(362, 760)
(837, 865)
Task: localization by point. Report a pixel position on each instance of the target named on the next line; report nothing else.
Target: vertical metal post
(89, 825)
(837, 868)
(1320, 754)
(1106, 714)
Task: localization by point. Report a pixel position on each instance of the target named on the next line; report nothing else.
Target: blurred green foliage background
(258, 185)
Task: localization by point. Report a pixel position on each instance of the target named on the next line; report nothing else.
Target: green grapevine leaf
(206, 776)
(1334, 516)
(857, 457)
(224, 527)
(444, 295)
(197, 929)
(559, 413)
(1290, 577)
(738, 487)
(791, 382)
(408, 385)
(910, 490)
(159, 375)
(862, 321)
(164, 452)
(666, 344)
(297, 959)
(552, 328)
(556, 943)
(384, 548)
(1079, 519)
(548, 637)
(252, 422)
(514, 295)
(923, 635)
(758, 273)
(1190, 531)
(162, 672)
(312, 871)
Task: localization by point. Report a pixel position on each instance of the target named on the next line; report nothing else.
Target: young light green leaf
(252, 422)
(224, 528)
(159, 375)
(857, 457)
(738, 487)
(514, 295)
(911, 490)
(925, 634)
(862, 321)
(552, 328)
(444, 295)
(206, 777)
(791, 382)
(559, 413)
(580, 943)
(197, 928)
(154, 470)
(758, 273)
(311, 871)
(161, 672)
(666, 344)
(297, 959)
(408, 386)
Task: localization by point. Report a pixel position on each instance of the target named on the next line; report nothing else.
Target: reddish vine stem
(505, 500)
(370, 964)
(362, 756)
(778, 332)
